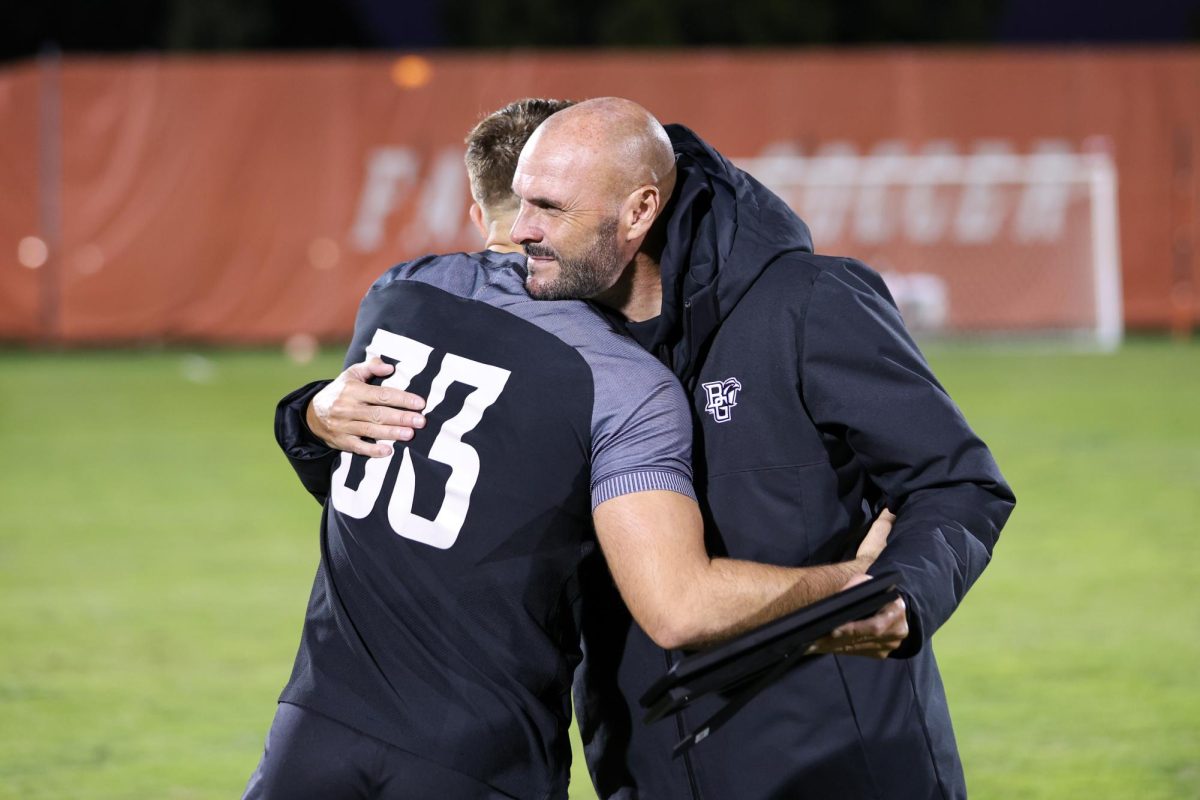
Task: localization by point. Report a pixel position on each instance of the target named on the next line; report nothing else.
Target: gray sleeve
(641, 430)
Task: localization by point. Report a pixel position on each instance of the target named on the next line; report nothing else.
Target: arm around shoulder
(654, 544)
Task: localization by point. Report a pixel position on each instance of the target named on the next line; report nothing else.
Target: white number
(448, 448)
(411, 357)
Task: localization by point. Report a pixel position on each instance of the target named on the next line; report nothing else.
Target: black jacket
(813, 409)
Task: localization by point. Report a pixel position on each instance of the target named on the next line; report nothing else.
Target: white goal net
(991, 244)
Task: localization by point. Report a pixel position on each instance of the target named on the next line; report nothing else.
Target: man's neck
(637, 295)
(499, 230)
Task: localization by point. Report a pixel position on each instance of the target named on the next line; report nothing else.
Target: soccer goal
(988, 245)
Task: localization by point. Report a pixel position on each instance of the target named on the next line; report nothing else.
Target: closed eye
(544, 204)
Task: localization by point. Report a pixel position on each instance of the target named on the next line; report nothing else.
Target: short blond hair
(495, 144)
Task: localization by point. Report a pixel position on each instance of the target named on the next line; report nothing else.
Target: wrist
(312, 424)
(860, 564)
(291, 428)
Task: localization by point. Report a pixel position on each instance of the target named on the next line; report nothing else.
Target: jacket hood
(722, 230)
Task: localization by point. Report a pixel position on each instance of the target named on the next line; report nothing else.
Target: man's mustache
(540, 251)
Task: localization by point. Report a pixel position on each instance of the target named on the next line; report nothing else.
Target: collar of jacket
(723, 229)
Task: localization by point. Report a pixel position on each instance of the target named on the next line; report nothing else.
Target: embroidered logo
(722, 397)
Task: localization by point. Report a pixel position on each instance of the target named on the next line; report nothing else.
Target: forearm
(866, 383)
(729, 596)
(940, 546)
(654, 544)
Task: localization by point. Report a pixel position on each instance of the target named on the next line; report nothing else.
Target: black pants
(310, 756)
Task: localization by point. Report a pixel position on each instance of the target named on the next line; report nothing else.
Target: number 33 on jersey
(411, 358)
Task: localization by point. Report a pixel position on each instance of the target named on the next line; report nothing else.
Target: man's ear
(640, 210)
(477, 219)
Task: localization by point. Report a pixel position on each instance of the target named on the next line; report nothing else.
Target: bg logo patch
(722, 397)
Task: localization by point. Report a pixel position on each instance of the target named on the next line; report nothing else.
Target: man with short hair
(443, 627)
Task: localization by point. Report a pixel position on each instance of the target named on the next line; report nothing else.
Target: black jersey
(444, 614)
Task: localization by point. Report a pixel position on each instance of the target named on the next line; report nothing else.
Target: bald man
(442, 632)
(813, 406)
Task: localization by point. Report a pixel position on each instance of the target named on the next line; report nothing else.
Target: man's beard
(582, 276)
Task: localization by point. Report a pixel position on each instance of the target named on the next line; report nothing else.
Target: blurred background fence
(240, 199)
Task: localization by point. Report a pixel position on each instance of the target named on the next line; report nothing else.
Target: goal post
(991, 245)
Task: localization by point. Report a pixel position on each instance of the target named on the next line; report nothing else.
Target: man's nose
(523, 230)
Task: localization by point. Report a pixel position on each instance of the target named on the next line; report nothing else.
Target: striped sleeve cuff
(646, 481)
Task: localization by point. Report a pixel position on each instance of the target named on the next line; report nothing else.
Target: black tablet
(747, 657)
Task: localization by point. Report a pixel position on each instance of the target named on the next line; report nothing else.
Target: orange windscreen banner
(252, 199)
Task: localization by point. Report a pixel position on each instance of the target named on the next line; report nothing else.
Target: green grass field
(156, 556)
